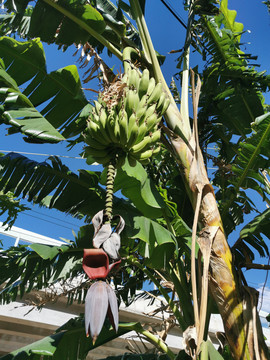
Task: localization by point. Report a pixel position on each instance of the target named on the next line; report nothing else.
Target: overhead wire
(40, 154)
(52, 217)
(51, 222)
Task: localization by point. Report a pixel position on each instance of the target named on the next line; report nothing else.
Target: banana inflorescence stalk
(124, 120)
(109, 193)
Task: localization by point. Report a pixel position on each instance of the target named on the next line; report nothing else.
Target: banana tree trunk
(237, 305)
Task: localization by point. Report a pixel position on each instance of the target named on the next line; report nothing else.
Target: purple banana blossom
(96, 263)
(106, 237)
(99, 302)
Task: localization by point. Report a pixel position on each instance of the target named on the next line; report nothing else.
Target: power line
(174, 13)
(39, 154)
(53, 217)
(51, 222)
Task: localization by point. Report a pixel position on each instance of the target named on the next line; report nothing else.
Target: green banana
(123, 124)
(141, 132)
(94, 131)
(143, 84)
(110, 125)
(117, 129)
(155, 136)
(142, 145)
(144, 155)
(161, 101)
(151, 86)
(151, 121)
(150, 110)
(131, 101)
(134, 79)
(131, 122)
(133, 134)
(96, 153)
(165, 106)
(155, 95)
(94, 143)
(142, 106)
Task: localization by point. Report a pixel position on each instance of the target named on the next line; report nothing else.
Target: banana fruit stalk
(124, 121)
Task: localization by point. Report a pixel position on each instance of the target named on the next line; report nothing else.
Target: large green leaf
(136, 185)
(65, 22)
(253, 235)
(68, 342)
(159, 243)
(23, 270)
(54, 186)
(253, 156)
(81, 195)
(57, 95)
(72, 21)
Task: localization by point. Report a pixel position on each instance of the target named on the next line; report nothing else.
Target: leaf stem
(158, 343)
(86, 27)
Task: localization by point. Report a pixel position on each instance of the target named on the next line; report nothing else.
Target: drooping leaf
(48, 252)
(68, 342)
(66, 22)
(58, 94)
(70, 21)
(253, 235)
(136, 185)
(54, 185)
(159, 243)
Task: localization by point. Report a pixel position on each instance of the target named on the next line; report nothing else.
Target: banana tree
(166, 199)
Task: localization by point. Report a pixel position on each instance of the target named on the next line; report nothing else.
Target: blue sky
(167, 34)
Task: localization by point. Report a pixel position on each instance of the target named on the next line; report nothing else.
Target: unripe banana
(155, 136)
(150, 110)
(103, 118)
(144, 81)
(151, 121)
(117, 129)
(144, 155)
(156, 93)
(142, 145)
(142, 106)
(161, 101)
(123, 124)
(95, 153)
(89, 140)
(165, 106)
(131, 101)
(133, 134)
(156, 150)
(94, 131)
(134, 79)
(141, 132)
(151, 86)
(131, 122)
(110, 125)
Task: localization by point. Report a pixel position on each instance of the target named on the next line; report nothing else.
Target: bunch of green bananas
(124, 121)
